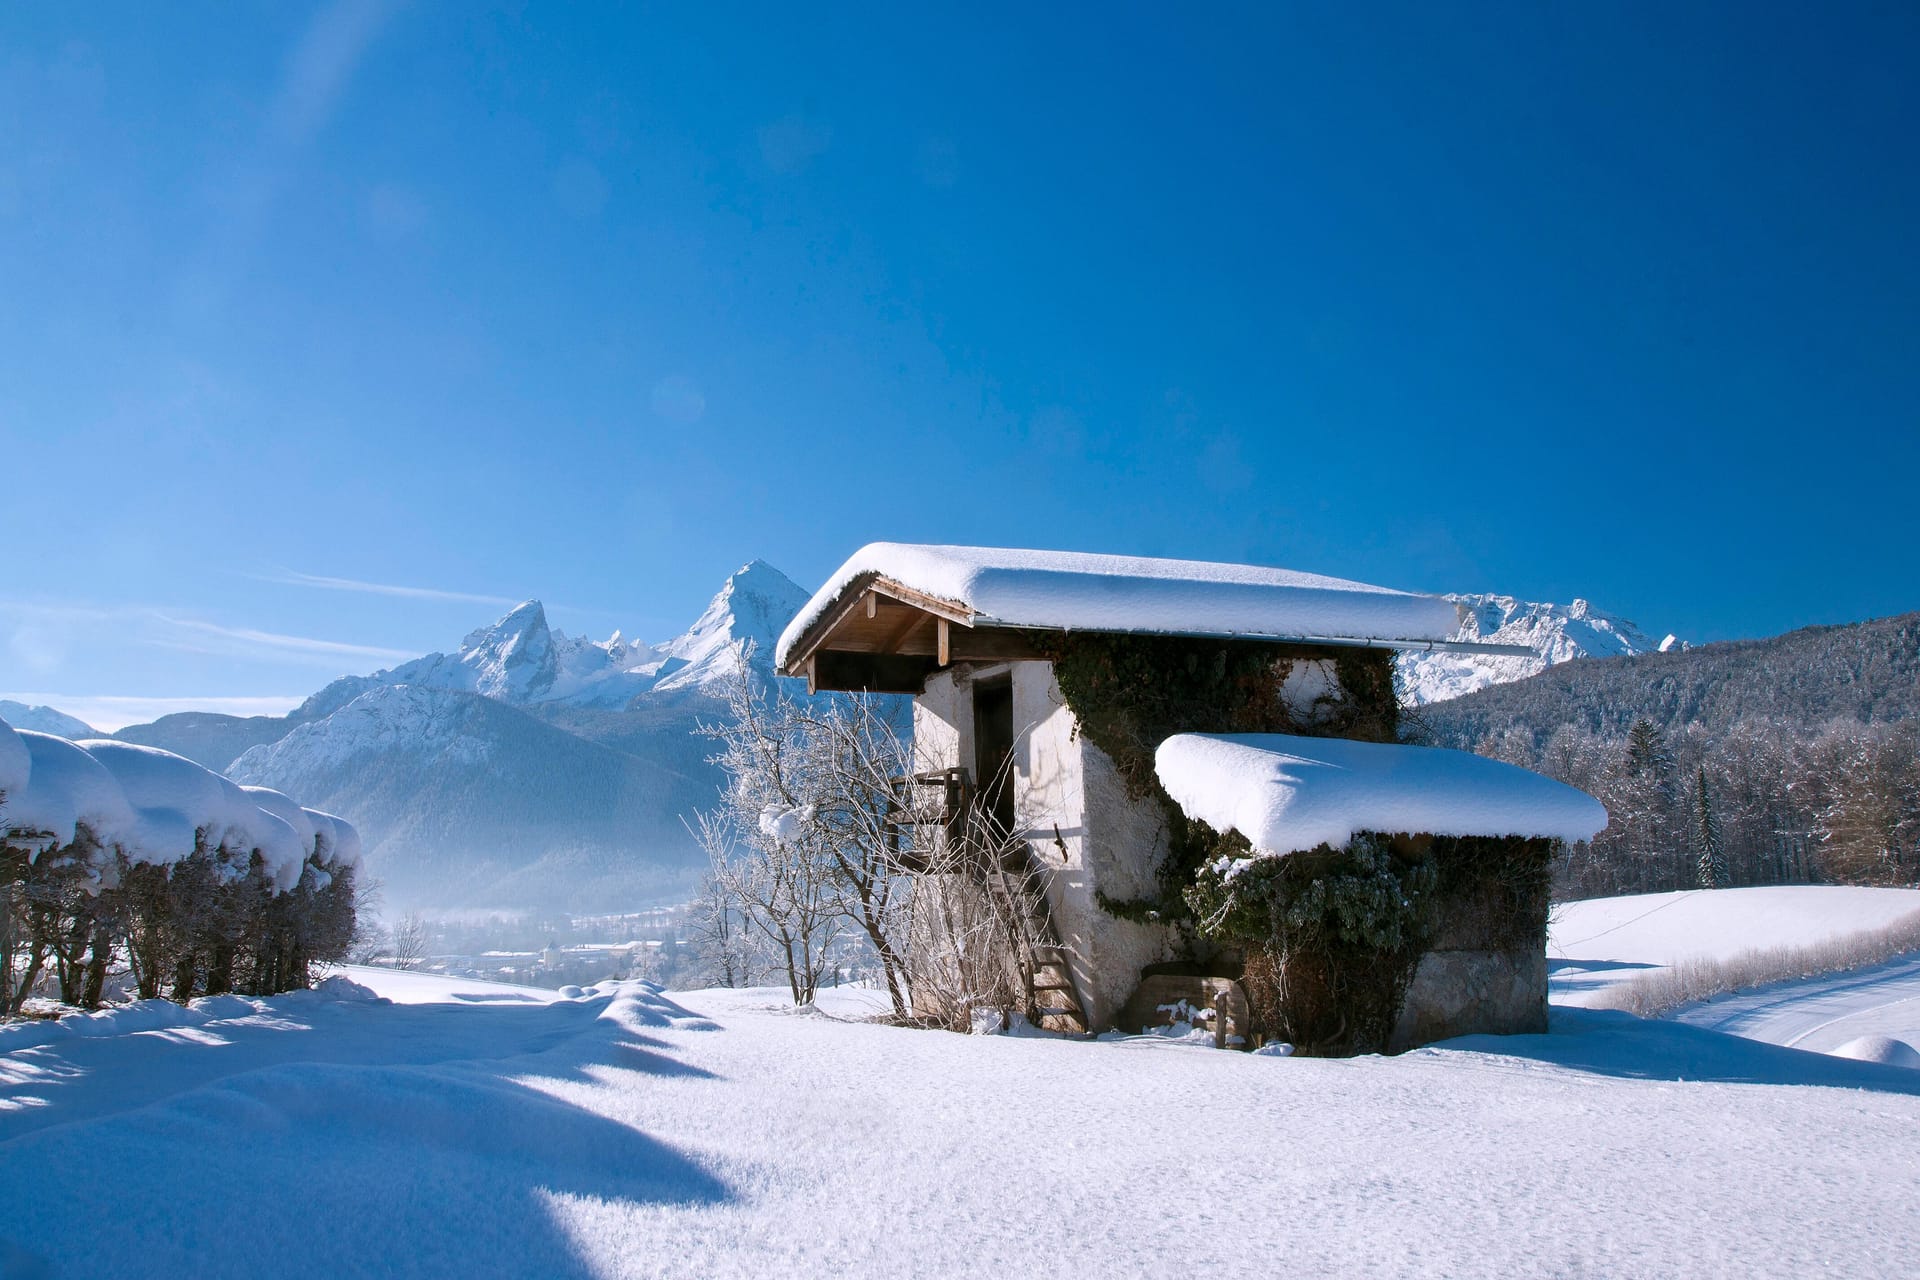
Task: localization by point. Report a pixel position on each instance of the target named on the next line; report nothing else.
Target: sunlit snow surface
(479, 1129)
(1287, 793)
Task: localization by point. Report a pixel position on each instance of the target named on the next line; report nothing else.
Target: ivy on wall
(1329, 938)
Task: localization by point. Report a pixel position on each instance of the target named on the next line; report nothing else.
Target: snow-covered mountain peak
(751, 609)
(1556, 633)
(512, 660)
(520, 659)
(524, 621)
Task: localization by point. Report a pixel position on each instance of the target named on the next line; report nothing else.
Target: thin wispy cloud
(41, 635)
(322, 65)
(294, 578)
(278, 642)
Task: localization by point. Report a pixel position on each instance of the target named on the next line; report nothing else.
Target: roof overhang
(882, 636)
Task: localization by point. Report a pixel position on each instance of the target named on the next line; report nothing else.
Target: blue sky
(595, 304)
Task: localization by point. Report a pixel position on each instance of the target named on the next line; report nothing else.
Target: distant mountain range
(530, 768)
(526, 768)
(1554, 632)
(1863, 672)
(45, 720)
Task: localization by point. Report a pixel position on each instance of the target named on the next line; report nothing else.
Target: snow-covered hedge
(111, 850)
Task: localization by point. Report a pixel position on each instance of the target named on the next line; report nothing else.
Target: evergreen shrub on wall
(1328, 939)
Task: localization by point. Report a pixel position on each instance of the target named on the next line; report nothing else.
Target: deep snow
(485, 1130)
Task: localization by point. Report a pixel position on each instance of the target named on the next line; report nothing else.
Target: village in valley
(1144, 836)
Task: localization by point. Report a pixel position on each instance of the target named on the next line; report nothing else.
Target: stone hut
(1102, 708)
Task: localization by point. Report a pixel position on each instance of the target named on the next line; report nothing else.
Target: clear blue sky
(1615, 301)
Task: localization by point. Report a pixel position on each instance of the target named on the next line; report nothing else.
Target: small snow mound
(1882, 1049)
(987, 1022)
(343, 988)
(571, 992)
(141, 1015)
(220, 1007)
(1277, 1049)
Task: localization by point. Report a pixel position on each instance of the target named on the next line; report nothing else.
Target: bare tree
(808, 835)
(721, 942)
(409, 941)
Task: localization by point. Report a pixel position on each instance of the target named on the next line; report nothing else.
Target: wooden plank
(818, 633)
(870, 672)
(856, 598)
(891, 642)
(873, 604)
(944, 642)
(952, 610)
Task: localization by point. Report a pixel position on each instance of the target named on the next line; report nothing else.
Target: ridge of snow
(43, 719)
(750, 609)
(1074, 590)
(1286, 793)
(1556, 633)
(384, 716)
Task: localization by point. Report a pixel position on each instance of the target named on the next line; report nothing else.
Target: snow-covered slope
(45, 720)
(1556, 633)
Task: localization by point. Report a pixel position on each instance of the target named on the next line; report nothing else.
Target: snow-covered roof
(1286, 794)
(1078, 591)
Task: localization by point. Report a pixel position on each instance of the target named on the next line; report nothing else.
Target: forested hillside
(1754, 762)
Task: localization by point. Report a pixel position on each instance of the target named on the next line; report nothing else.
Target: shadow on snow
(1611, 1043)
(376, 1146)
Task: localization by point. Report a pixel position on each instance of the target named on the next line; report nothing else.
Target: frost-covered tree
(722, 946)
(1711, 862)
(766, 848)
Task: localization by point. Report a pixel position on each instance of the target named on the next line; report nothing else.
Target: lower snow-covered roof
(1286, 794)
(1070, 590)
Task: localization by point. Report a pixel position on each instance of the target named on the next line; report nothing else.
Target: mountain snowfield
(466, 1128)
(1556, 633)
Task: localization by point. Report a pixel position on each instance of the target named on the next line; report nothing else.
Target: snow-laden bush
(112, 853)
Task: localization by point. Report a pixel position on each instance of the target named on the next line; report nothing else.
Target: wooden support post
(873, 604)
(944, 642)
(1220, 1019)
(812, 682)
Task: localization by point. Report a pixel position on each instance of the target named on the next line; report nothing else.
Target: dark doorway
(993, 748)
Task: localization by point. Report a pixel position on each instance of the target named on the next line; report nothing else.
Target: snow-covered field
(1591, 943)
(473, 1129)
(1594, 944)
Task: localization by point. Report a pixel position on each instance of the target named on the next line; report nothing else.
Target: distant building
(975, 634)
